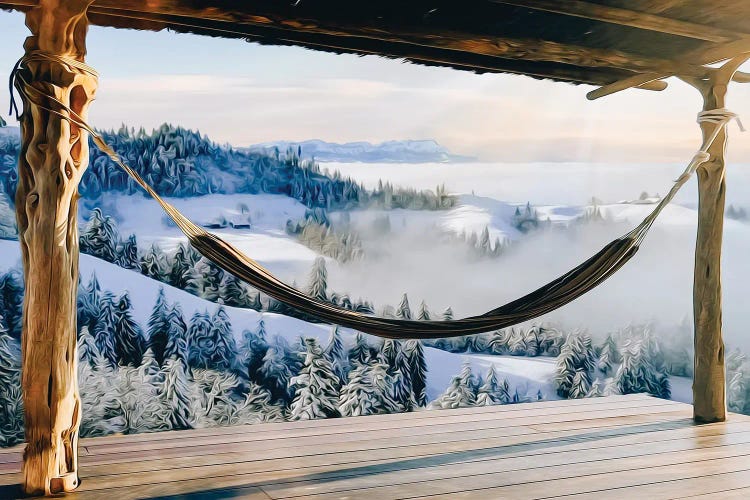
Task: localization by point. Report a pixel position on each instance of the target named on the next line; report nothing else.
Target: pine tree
(609, 356)
(200, 341)
(403, 311)
(361, 351)
(88, 304)
(158, 327)
(252, 351)
(104, 333)
(177, 394)
(368, 391)
(424, 312)
(11, 302)
(577, 355)
(100, 237)
(447, 314)
(153, 264)
(414, 352)
(11, 408)
(276, 374)
(205, 280)
(642, 368)
(127, 254)
(128, 336)
(316, 388)
(101, 410)
(492, 392)
(87, 350)
(334, 353)
(176, 346)
(233, 292)
(317, 287)
(181, 267)
(460, 392)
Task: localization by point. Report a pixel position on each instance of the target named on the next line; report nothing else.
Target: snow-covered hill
(415, 151)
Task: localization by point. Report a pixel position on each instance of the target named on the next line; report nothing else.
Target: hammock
(545, 299)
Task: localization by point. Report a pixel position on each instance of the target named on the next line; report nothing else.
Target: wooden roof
(612, 43)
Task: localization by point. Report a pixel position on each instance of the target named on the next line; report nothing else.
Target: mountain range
(401, 151)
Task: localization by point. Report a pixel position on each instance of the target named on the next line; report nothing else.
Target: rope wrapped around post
(545, 299)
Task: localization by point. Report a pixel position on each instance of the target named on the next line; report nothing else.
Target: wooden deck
(616, 447)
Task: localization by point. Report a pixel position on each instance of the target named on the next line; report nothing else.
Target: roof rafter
(627, 17)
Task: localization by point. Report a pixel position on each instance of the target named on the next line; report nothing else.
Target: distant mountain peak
(394, 151)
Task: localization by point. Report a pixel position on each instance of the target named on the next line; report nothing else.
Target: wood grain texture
(52, 160)
(572, 447)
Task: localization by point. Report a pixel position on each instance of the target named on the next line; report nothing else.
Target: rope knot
(719, 116)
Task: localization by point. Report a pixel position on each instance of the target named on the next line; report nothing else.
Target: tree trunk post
(709, 380)
(54, 155)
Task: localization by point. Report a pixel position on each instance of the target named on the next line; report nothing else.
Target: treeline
(179, 162)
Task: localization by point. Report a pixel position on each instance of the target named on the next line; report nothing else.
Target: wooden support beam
(709, 380)
(707, 56)
(627, 17)
(54, 155)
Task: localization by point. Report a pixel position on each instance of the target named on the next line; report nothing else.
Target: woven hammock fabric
(545, 299)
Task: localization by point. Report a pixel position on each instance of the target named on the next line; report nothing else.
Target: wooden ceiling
(614, 44)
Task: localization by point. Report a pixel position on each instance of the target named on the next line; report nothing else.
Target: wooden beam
(419, 37)
(706, 56)
(627, 17)
(709, 379)
(473, 61)
(53, 156)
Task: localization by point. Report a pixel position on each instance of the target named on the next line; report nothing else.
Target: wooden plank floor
(616, 447)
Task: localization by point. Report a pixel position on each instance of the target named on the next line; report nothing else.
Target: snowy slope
(528, 375)
(265, 241)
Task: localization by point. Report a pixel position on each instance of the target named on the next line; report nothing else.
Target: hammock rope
(545, 299)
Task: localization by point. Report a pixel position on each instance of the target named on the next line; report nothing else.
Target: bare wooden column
(709, 381)
(53, 156)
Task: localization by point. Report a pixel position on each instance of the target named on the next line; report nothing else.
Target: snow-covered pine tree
(200, 342)
(100, 237)
(275, 374)
(368, 391)
(447, 314)
(316, 388)
(87, 350)
(257, 407)
(609, 356)
(252, 351)
(642, 367)
(493, 392)
(128, 336)
(181, 267)
(100, 408)
(153, 263)
(360, 352)
(233, 292)
(334, 352)
(104, 333)
(205, 280)
(414, 352)
(127, 254)
(88, 304)
(11, 407)
(424, 312)
(177, 394)
(317, 286)
(11, 302)
(460, 392)
(176, 346)
(158, 327)
(390, 352)
(403, 311)
(577, 355)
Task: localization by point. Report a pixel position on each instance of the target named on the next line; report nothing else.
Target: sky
(244, 93)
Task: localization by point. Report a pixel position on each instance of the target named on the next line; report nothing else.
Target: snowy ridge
(404, 151)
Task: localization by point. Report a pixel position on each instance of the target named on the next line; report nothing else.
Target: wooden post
(709, 380)
(54, 155)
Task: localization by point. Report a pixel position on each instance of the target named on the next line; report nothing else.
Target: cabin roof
(597, 42)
